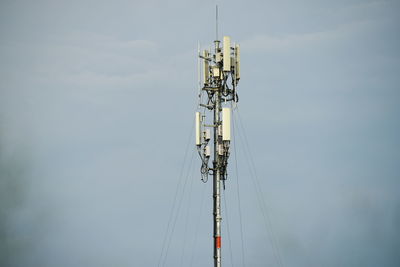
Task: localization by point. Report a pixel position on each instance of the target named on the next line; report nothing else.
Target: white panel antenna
(237, 54)
(226, 124)
(227, 53)
(198, 129)
(206, 70)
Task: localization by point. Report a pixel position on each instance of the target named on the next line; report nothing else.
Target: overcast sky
(97, 103)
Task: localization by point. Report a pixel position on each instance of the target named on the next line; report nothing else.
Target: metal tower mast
(221, 74)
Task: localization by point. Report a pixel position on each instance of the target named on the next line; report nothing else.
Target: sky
(97, 102)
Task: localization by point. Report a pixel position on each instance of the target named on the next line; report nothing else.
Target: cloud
(272, 43)
(88, 60)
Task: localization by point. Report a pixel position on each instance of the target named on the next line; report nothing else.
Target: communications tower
(220, 71)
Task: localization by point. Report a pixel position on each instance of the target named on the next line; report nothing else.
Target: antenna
(216, 22)
(220, 69)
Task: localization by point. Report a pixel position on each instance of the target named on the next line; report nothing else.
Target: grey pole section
(216, 175)
(216, 163)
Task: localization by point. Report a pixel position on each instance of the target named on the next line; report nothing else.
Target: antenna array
(220, 76)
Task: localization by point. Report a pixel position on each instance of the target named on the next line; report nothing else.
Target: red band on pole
(218, 241)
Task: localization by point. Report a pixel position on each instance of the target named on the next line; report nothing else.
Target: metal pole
(217, 190)
(216, 175)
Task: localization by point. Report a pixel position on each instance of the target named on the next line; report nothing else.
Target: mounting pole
(216, 174)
